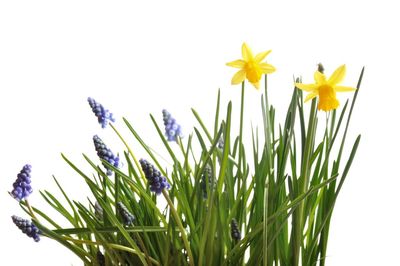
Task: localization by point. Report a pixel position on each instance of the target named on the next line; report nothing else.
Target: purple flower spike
(203, 182)
(101, 260)
(105, 154)
(103, 115)
(235, 232)
(172, 129)
(127, 217)
(157, 182)
(27, 227)
(22, 186)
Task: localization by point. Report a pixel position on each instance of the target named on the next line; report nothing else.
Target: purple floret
(103, 115)
(27, 227)
(22, 186)
(156, 181)
(126, 216)
(172, 129)
(105, 154)
(235, 232)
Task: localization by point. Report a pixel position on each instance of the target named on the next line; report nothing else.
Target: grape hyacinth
(221, 143)
(203, 183)
(127, 217)
(235, 233)
(103, 115)
(27, 227)
(22, 186)
(101, 260)
(172, 129)
(156, 180)
(98, 211)
(105, 154)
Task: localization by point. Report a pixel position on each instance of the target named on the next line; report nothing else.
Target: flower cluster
(127, 217)
(101, 260)
(103, 115)
(156, 180)
(207, 174)
(22, 186)
(172, 129)
(221, 143)
(235, 232)
(98, 211)
(105, 154)
(27, 227)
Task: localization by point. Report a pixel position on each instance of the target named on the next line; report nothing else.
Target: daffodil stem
(267, 129)
(179, 223)
(303, 185)
(324, 236)
(240, 175)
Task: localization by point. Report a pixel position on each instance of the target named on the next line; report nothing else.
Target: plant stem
(179, 223)
(130, 152)
(240, 170)
(31, 211)
(304, 180)
(268, 142)
(115, 246)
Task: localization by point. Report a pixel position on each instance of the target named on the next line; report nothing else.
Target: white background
(139, 57)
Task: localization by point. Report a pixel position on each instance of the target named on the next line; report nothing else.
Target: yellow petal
(319, 77)
(237, 63)
(328, 104)
(246, 52)
(266, 68)
(306, 87)
(344, 88)
(239, 77)
(261, 56)
(310, 96)
(256, 85)
(337, 76)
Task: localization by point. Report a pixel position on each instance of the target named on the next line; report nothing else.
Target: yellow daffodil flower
(251, 67)
(326, 89)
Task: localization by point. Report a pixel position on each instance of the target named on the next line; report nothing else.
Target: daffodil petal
(344, 88)
(328, 104)
(306, 87)
(266, 68)
(237, 63)
(261, 56)
(319, 77)
(256, 85)
(310, 96)
(337, 76)
(246, 52)
(239, 77)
